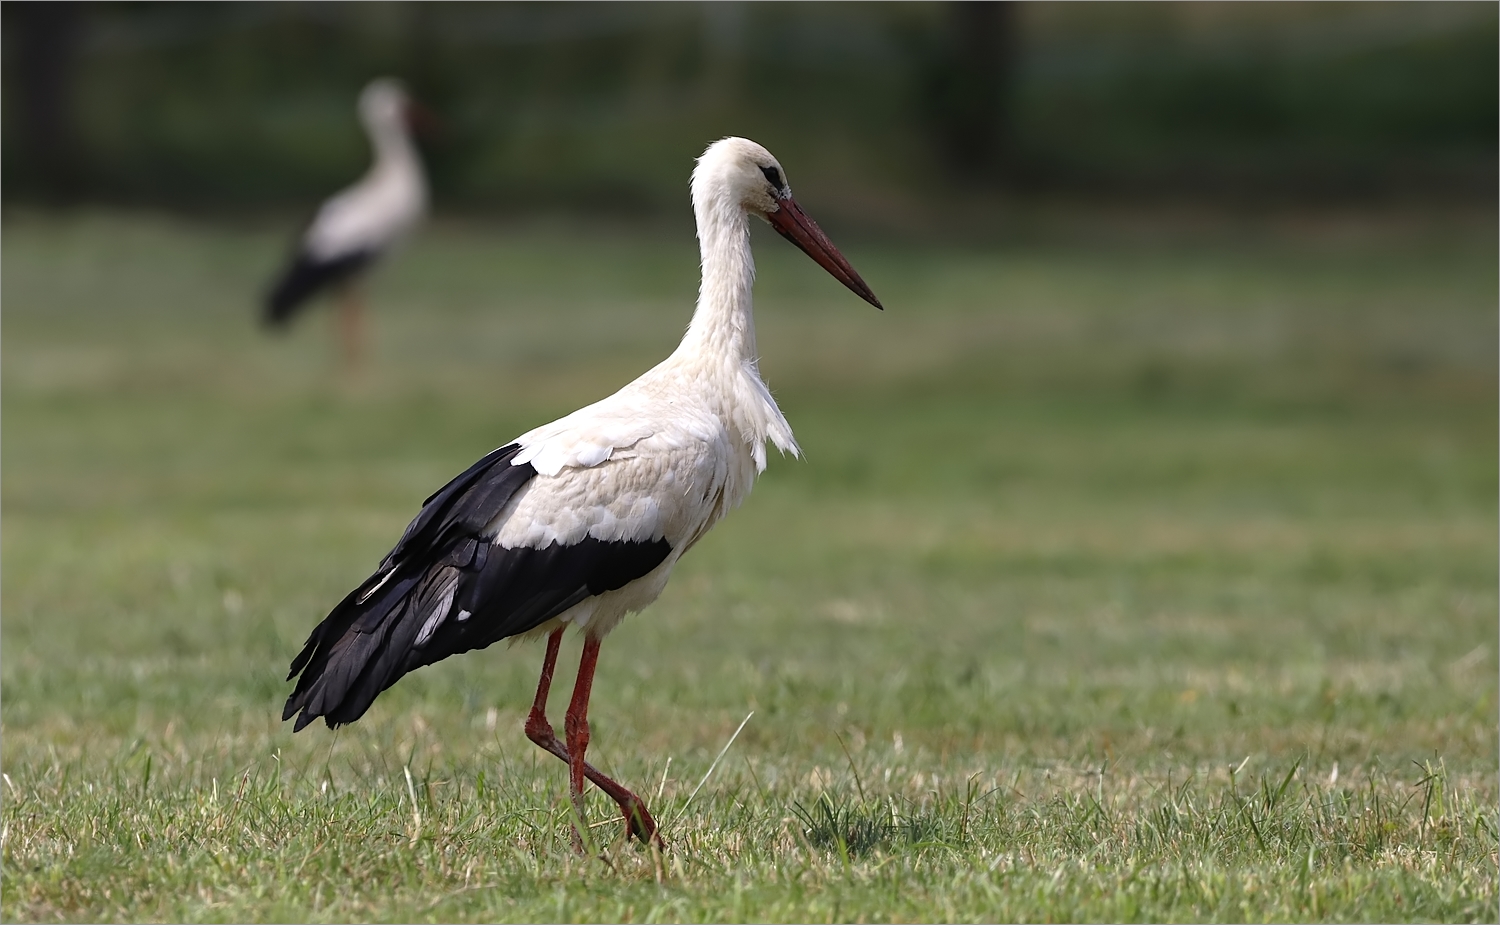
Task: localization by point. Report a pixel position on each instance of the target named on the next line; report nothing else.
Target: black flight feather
(306, 277)
(446, 589)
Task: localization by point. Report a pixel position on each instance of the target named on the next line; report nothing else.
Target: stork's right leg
(538, 730)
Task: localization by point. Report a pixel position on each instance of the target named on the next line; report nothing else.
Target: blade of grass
(711, 767)
(850, 758)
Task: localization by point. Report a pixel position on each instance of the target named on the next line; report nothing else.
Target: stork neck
(393, 147)
(723, 325)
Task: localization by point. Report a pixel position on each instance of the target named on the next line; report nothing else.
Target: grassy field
(1137, 570)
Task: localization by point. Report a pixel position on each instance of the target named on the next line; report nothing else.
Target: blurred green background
(893, 112)
(1173, 455)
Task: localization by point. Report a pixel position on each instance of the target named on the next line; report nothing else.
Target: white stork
(580, 521)
(362, 223)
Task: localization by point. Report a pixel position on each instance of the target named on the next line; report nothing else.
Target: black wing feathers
(519, 589)
(465, 506)
(447, 589)
(306, 277)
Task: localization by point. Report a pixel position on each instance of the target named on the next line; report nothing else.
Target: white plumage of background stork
(580, 521)
(361, 224)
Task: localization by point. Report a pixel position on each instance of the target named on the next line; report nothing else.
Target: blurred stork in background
(580, 521)
(361, 224)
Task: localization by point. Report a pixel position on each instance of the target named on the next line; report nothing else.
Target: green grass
(1138, 572)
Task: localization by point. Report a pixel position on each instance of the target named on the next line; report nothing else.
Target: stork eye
(773, 175)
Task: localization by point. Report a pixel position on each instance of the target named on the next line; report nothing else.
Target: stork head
(385, 103)
(737, 173)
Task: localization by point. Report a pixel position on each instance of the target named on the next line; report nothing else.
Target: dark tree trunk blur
(969, 98)
(44, 49)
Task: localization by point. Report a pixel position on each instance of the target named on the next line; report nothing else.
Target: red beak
(793, 224)
(421, 120)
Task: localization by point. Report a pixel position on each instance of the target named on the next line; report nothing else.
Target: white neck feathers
(723, 325)
(393, 148)
(720, 342)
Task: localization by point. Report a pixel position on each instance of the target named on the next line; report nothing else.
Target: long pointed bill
(421, 120)
(793, 224)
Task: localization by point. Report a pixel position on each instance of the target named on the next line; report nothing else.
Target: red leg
(538, 730)
(351, 326)
(576, 724)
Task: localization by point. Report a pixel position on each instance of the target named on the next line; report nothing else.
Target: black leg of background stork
(538, 730)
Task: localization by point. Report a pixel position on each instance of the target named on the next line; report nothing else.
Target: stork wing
(583, 439)
(305, 277)
(447, 587)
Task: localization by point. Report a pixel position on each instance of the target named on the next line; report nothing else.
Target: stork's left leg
(576, 727)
